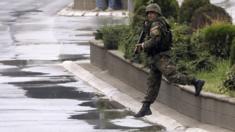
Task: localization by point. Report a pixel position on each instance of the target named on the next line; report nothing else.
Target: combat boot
(198, 84)
(145, 110)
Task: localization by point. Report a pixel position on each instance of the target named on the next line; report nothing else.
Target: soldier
(156, 45)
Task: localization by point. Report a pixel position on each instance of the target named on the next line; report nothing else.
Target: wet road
(38, 95)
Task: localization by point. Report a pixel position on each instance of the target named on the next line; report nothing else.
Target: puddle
(51, 80)
(112, 115)
(57, 92)
(19, 63)
(23, 12)
(16, 73)
(24, 63)
(103, 104)
(53, 70)
(49, 90)
(67, 57)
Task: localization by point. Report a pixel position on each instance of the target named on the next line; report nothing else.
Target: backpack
(167, 38)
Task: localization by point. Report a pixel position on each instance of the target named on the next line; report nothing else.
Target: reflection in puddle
(49, 89)
(109, 114)
(22, 12)
(66, 57)
(102, 104)
(24, 63)
(14, 73)
(57, 92)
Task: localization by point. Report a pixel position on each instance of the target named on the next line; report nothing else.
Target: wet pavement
(37, 94)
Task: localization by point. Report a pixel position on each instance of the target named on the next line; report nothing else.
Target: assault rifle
(138, 47)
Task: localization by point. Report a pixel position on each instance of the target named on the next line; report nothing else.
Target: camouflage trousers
(162, 65)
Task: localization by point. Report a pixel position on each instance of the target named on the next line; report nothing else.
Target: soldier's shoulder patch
(155, 30)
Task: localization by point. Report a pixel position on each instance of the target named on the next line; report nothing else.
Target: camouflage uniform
(159, 60)
(157, 46)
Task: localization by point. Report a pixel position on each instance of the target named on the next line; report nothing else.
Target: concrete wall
(209, 108)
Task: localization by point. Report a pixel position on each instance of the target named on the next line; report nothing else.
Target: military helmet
(154, 8)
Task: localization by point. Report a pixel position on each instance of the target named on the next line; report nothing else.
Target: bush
(204, 64)
(208, 14)
(232, 53)
(139, 3)
(187, 53)
(111, 35)
(229, 82)
(188, 7)
(170, 8)
(138, 17)
(182, 49)
(218, 39)
(127, 43)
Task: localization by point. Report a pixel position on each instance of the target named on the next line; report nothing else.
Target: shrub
(139, 3)
(188, 7)
(98, 35)
(229, 82)
(138, 17)
(111, 35)
(169, 8)
(182, 49)
(204, 64)
(218, 38)
(187, 53)
(127, 43)
(232, 53)
(139, 12)
(208, 14)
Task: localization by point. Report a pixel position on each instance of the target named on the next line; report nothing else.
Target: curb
(69, 11)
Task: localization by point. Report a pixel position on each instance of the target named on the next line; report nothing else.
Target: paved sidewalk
(121, 92)
(69, 11)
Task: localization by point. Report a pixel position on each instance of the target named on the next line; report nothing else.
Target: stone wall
(209, 108)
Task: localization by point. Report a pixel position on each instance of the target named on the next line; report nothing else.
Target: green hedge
(112, 34)
(218, 39)
(181, 43)
(186, 53)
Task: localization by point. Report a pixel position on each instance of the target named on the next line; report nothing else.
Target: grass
(214, 79)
